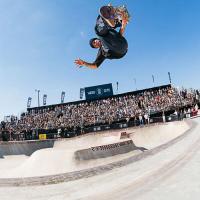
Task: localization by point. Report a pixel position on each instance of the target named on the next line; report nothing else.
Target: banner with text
(99, 91)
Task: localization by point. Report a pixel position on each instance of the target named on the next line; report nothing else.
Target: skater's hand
(79, 62)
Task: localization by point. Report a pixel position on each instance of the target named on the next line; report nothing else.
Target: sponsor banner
(100, 91)
(44, 100)
(29, 102)
(62, 97)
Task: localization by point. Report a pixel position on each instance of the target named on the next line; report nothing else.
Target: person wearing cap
(111, 43)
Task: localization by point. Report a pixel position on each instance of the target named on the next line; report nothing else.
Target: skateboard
(112, 15)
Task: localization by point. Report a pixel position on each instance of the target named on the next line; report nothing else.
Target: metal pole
(38, 91)
(38, 98)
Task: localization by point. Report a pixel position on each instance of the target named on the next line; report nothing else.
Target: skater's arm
(81, 63)
(100, 58)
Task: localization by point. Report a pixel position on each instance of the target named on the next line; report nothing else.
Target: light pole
(38, 93)
(117, 86)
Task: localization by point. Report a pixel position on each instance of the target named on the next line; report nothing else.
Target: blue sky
(39, 40)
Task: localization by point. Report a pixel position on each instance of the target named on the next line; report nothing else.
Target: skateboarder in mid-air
(111, 43)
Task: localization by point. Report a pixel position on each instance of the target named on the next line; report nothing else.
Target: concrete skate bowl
(54, 161)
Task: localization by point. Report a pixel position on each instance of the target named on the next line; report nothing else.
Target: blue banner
(99, 91)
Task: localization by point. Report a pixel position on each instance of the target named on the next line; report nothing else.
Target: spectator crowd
(127, 106)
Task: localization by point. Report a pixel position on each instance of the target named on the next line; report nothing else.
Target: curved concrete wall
(24, 147)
